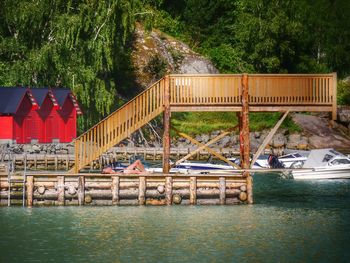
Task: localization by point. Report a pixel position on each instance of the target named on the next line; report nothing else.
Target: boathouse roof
(11, 97)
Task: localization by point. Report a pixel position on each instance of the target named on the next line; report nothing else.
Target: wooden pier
(240, 93)
(122, 189)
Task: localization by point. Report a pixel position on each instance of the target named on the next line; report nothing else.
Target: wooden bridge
(241, 93)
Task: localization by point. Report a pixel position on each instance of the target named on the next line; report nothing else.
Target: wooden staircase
(119, 125)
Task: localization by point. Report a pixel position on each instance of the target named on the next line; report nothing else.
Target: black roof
(11, 97)
(40, 94)
(61, 95)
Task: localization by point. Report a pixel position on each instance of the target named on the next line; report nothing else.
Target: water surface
(290, 221)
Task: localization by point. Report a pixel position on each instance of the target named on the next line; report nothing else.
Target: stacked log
(127, 190)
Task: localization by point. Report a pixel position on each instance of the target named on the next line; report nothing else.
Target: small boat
(324, 164)
(202, 166)
(261, 163)
(291, 159)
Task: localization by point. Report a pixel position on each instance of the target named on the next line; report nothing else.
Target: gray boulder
(278, 141)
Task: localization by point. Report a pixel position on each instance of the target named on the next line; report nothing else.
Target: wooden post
(67, 162)
(142, 190)
(222, 189)
(115, 190)
(249, 188)
(245, 122)
(244, 137)
(76, 153)
(166, 127)
(30, 190)
(193, 190)
(239, 118)
(168, 190)
(81, 190)
(56, 163)
(334, 102)
(60, 190)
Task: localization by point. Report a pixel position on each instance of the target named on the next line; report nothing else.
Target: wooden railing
(209, 92)
(205, 89)
(289, 89)
(264, 89)
(119, 125)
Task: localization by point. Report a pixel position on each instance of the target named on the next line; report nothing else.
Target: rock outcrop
(321, 134)
(156, 54)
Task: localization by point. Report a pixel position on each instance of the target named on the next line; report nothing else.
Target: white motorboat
(260, 163)
(291, 159)
(324, 164)
(189, 167)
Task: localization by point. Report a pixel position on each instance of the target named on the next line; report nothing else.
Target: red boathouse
(40, 115)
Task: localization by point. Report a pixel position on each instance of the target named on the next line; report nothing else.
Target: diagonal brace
(217, 138)
(203, 146)
(268, 138)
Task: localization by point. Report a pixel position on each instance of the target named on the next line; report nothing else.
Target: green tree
(84, 45)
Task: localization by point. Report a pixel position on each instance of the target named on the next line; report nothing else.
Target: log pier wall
(145, 189)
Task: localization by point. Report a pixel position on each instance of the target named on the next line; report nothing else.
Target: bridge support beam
(166, 127)
(244, 137)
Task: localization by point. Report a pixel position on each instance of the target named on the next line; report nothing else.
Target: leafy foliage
(86, 45)
(268, 36)
(81, 44)
(344, 93)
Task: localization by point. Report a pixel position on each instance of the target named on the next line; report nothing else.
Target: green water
(290, 222)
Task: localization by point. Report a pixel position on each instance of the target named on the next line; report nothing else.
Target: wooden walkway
(241, 93)
(271, 92)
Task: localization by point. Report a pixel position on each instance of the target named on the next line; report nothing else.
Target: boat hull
(310, 174)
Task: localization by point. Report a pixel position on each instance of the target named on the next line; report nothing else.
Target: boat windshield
(340, 161)
(327, 157)
(291, 155)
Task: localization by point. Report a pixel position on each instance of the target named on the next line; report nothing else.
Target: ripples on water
(290, 221)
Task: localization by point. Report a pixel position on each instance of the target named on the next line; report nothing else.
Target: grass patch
(194, 123)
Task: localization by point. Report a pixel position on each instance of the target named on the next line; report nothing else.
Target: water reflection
(291, 221)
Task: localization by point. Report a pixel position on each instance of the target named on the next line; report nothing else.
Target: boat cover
(320, 157)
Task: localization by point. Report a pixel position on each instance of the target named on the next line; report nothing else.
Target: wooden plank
(249, 181)
(334, 98)
(168, 190)
(115, 190)
(222, 189)
(166, 128)
(81, 190)
(245, 123)
(30, 190)
(142, 190)
(60, 190)
(268, 138)
(193, 190)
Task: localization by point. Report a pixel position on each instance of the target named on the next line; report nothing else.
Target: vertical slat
(81, 190)
(142, 190)
(60, 190)
(115, 189)
(222, 190)
(30, 190)
(168, 190)
(193, 190)
(334, 102)
(76, 153)
(166, 128)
